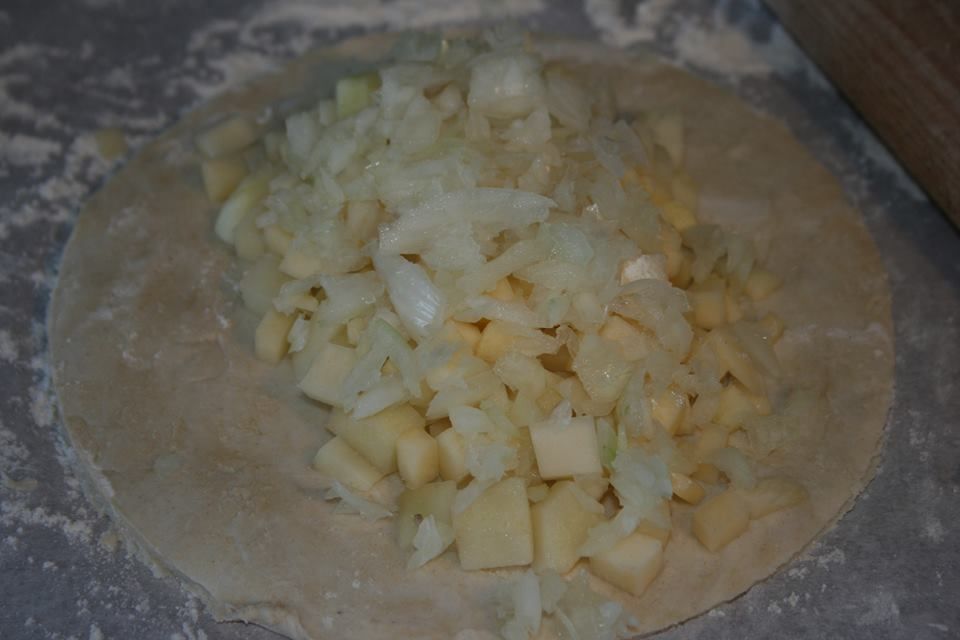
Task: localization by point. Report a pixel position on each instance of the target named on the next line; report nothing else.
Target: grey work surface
(889, 569)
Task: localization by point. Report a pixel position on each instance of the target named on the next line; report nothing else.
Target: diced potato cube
(278, 240)
(240, 203)
(224, 138)
(353, 93)
(339, 461)
(300, 263)
(452, 452)
(221, 177)
(270, 340)
(678, 215)
(709, 302)
(773, 494)
(537, 493)
(247, 239)
(376, 436)
(634, 343)
(325, 377)
(686, 488)
(761, 283)
(672, 244)
(502, 291)
(363, 216)
(318, 337)
(496, 530)
(737, 404)
(495, 341)
(469, 332)
(560, 527)
(734, 311)
(671, 409)
(720, 519)
(564, 451)
(548, 400)
(631, 564)
(684, 275)
(651, 529)
(434, 499)
(734, 358)
(260, 285)
(418, 459)
(710, 438)
(706, 472)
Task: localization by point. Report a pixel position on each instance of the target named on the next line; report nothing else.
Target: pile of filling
(499, 284)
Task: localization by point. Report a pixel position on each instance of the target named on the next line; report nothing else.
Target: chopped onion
(432, 539)
(417, 300)
(352, 503)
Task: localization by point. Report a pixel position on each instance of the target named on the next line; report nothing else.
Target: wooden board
(898, 61)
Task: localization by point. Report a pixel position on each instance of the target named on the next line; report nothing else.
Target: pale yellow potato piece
(240, 203)
(737, 404)
(278, 240)
(734, 311)
(652, 530)
(452, 452)
(418, 460)
(325, 377)
(317, 338)
(376, 436)
(270, 340)
(773, 494)
(706, 473)
(469, 332)
(502, 291)
(635, 344)
(708, 440)
(433, 499)
(260, 285)
(678, 215)
(233, 134)
(353, 93)
(495, 341)
(496, 530)
(671, 409)
(560, 527)
(685, 190)
(686, 488)
(709, 302)
(339, 461)
(362, 218)
(566, 451)
(300, 264)
(247, 239)
(631, 564)
(721, 519)
(734, 358)
(221, 176)
(761, 283)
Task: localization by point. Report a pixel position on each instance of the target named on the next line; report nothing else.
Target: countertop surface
(889, 569)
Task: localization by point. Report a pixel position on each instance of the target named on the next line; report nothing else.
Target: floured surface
(203, 452)
(882, 572)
